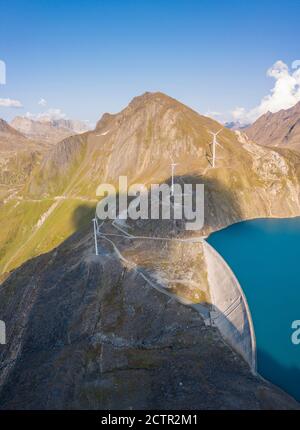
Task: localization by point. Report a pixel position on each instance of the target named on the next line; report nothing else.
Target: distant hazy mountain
(277, 129)
(235, 125)
(46, 130)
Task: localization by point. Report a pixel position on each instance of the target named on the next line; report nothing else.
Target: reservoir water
(265, 257)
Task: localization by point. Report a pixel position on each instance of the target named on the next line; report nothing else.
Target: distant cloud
(49, 115)
(284, 94)
(90, 125)
(57, 114)
(213, 114)
(2, 72)
(42, 102)
(10, 103)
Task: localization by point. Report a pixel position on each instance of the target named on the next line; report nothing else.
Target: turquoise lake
(264, 255)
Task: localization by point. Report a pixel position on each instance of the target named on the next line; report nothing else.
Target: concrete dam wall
(230, 312)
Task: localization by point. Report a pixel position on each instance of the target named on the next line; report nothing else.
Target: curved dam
(230, 312)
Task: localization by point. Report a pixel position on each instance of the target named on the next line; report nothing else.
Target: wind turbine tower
(214, 144)
(173, 165)
(95, 222)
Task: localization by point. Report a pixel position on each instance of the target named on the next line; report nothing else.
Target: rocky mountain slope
(280, 129)
(249, 181)
(11, 139)
(82, 328)
(47, 130)
(87, 332)
(18, 156)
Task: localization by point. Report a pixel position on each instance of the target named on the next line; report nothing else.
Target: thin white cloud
(10, 103)
(42, 102)
(214, 114)
(2, 72)
(49, 115)
(284, 94)
(57, 114)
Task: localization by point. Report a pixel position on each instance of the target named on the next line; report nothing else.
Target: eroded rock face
(277, 129)
(86, 332)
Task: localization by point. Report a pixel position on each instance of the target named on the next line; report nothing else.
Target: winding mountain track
(198, 306)
(236, 311)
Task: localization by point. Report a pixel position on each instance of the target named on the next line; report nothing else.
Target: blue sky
(89, 57)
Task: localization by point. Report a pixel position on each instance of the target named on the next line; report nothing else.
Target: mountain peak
(280, 128)
(153, 108)
(146, 101)
(3, 125)
(150, 98)
(8, 129)
(11, 142)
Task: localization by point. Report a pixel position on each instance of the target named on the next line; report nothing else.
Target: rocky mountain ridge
(18, 156)
(280, 129)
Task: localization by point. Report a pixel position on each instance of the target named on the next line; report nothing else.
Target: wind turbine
(214, 146)
(95, 222)
(173, 165)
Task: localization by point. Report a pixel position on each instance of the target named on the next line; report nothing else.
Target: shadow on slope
(82, 216)
(85, 332)
(220, 208)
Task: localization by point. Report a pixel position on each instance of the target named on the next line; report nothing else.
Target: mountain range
(140, 142)
(23, 144)
(48, 130)
(85, 324)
